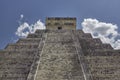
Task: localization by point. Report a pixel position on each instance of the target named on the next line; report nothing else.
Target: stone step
(59, 34)
(27, 56)
(92, 40)
(105, 77)
(10, 61)
(40, 31)
(16, 75)
(98, 46)
(29, 40)
(58, 31)
(103, 64)
(13, 78)
(18, 54)
(102, 52)
(15, 70)
(102, 46)
(105, 70)
(79, 32)
(34, 35)
(86, 35)
(18, 50)
(103, 60)
(14, 66)
(88, 44)
(6, 75)
(21, 46)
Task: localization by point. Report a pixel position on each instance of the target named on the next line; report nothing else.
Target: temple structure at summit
(59, 53)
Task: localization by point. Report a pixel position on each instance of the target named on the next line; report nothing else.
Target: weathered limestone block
(34, 35)
(40, 31)
(29, 40)
(21, 46)
(88, 44)
(101, 52)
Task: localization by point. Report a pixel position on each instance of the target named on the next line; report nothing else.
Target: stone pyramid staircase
(18, 59)
(59, 59)
(103, 63)
(59, 55)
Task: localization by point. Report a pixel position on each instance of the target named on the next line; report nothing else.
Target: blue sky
(33, 10)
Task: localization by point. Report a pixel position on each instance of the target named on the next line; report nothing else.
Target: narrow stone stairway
(59, 59)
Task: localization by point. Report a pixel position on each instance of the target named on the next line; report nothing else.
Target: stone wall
(61, 23)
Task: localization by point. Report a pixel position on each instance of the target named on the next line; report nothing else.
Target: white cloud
(21, 16)
(107, 32)
(24, 28)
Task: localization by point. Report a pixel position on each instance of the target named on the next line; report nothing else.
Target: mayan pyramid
(59, 53)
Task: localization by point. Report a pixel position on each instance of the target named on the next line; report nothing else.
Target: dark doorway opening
(59, 28)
